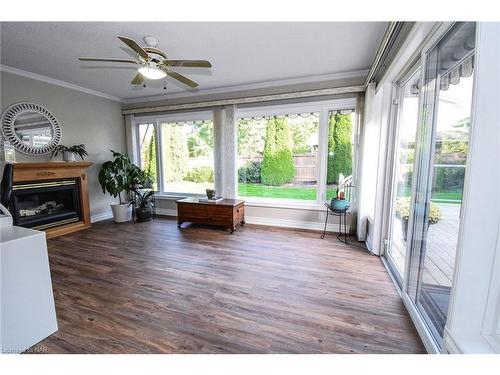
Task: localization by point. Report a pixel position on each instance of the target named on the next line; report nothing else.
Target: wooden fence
(306, 166)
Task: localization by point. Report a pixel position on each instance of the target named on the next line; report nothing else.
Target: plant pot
(121, 212)
(339, 205)
(404, 228)
(69, 156)
(143, 214)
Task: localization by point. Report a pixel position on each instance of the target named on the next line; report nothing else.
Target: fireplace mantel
(30, 172)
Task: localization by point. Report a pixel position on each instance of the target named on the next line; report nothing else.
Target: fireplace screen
(43, 205)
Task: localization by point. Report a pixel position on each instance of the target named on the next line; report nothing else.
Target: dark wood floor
(152, 288)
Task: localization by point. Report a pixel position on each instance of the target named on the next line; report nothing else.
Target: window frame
(157, 120)
(324, 108)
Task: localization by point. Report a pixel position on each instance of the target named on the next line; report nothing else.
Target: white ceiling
(241, 53)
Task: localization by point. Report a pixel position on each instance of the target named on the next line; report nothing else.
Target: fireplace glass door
(43, 205)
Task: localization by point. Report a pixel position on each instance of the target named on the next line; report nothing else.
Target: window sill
(292, 205)
(175, 196)
(252, 202)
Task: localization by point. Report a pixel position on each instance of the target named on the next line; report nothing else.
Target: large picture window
(278, 156)
(296, 154)
(187, 156)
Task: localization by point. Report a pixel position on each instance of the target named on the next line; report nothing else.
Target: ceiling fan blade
(138, 79)
(189, 63)
(106, 60)
(182, 79)
(136, 47)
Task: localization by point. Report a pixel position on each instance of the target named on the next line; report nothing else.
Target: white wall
(84, 118)
(474, 316)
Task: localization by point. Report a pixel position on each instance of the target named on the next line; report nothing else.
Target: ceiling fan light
(152, 72)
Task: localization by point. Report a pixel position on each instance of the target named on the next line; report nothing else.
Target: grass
(283, 192)
(442, 196)
(309, 193)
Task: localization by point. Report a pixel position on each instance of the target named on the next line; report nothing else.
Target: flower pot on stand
(121, 212)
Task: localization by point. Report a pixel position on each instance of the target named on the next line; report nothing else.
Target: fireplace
(42, 205)
(52, 197)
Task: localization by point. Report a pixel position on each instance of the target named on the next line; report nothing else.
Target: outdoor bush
(250, 172)
(451, 178)
(150, 161)
(175, 154)
(403, 210)
(339, 147)
(200, 174)
(277, 165)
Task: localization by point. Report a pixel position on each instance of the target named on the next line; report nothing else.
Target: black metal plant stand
(341, 214)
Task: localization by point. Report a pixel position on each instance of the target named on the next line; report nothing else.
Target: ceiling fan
(153, 62)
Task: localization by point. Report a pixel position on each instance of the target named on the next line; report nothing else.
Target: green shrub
(277, 165)
(200, 174)
(250, 172)
(339, 147)
(175, 154)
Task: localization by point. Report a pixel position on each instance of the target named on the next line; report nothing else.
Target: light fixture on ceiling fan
(153, 62)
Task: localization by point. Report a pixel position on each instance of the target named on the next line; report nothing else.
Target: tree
(201, 139)
(330, 175)
(175, 152)
(250, 137)
(277, 165)
(150, 164)
(339, 147)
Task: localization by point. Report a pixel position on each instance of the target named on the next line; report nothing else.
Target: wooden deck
(154, 288)
(441, 247)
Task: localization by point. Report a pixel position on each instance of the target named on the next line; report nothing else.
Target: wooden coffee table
(228, 213)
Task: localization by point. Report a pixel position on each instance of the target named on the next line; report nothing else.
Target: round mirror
(30, 128)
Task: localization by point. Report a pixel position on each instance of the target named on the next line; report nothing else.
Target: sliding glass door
(402, 177)
(440, 169)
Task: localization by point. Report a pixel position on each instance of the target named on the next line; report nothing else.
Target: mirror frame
(8, 131)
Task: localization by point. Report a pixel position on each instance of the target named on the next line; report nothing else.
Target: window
(183, 158)
(340, 146)
(187, 156)
(147, 150)
(294, 153)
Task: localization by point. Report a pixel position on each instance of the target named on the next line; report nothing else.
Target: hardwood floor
(152, 288)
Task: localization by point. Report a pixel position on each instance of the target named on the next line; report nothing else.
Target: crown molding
(218, 90)
(53, 81)
(250, 86)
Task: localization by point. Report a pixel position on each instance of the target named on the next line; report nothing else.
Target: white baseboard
(166, 211)
(298, 224)
(102, 216)
(284, 223)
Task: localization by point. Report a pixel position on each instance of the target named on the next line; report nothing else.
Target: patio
(441, 246)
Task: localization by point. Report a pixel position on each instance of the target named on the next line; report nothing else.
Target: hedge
(339, 147)
(277, 165)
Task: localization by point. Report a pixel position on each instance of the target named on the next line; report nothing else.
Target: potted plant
(69, 153)
(338, 202)
(403, 213)
(115, 178)
(142, 203)
(140, 178)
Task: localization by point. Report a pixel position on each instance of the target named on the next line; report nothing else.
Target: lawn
(309, 193)
(284, 192)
